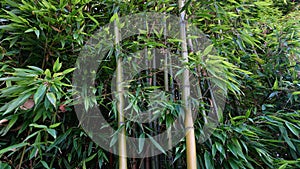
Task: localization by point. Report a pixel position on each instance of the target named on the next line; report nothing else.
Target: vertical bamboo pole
(148, 82)
(120, 103)
(166, 83)
(189, 124)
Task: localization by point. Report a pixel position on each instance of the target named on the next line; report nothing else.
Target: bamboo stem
(120, 103)
(166, 83)
(189, 123)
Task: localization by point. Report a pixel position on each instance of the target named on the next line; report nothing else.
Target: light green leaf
(296, 93)
(92, 18)
(38, 126)
(207, 50)
(39, 94)
(45, 164)
(57, 65)
(39, 70)
(47, 73)
(54, 125)
(114, 17)
(275, 86)
(90, 158)
(52, 132)
(68, 70)
(113, 140)
(12, 148)
(156, 144)
(51, 97)
(141, 142)
(283, 166)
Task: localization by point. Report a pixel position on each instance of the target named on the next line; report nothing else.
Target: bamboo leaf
(51, 97)
(17, 103)
(141, 142)
(156, 144)
(294, 129)
(68, 70)
(38, 126)
(45, 164)
(57, 65)
(39, 94)
(4, 166)
(52, 132)
(207, 50)
(12, 148)
(208, 160)
(39, 70)
(54, 125)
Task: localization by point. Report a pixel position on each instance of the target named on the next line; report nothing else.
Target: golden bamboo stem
(120, 103)
(189, 123)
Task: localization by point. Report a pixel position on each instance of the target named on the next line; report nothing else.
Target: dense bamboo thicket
(254, 44)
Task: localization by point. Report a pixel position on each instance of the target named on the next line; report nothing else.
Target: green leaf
(11, 122)
(45, 164)
(156, 144)
(220, 148)
(90, 158)
(57, 65)
(92, 18)
(17, 103)
(141, 142)
(39, 126)
(296, 93)
(39, 94)
(30, 30)
(68, 70)
(31, 135)
(114, 139)
(4, 165)
(114, 17)
(52, 132)
(12, 148)
(37, 33)
(283, 166)
(214, 150)
(233, 149)
(293, 128)
(54, 125)
(39, 70)
(208, 160)
(51, 97)
(48, 73)
(207, 50)
(233, 164)
(275, 86)
(286, 138)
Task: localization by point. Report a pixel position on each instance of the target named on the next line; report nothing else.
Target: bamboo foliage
(259, 129)
(189, 124)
